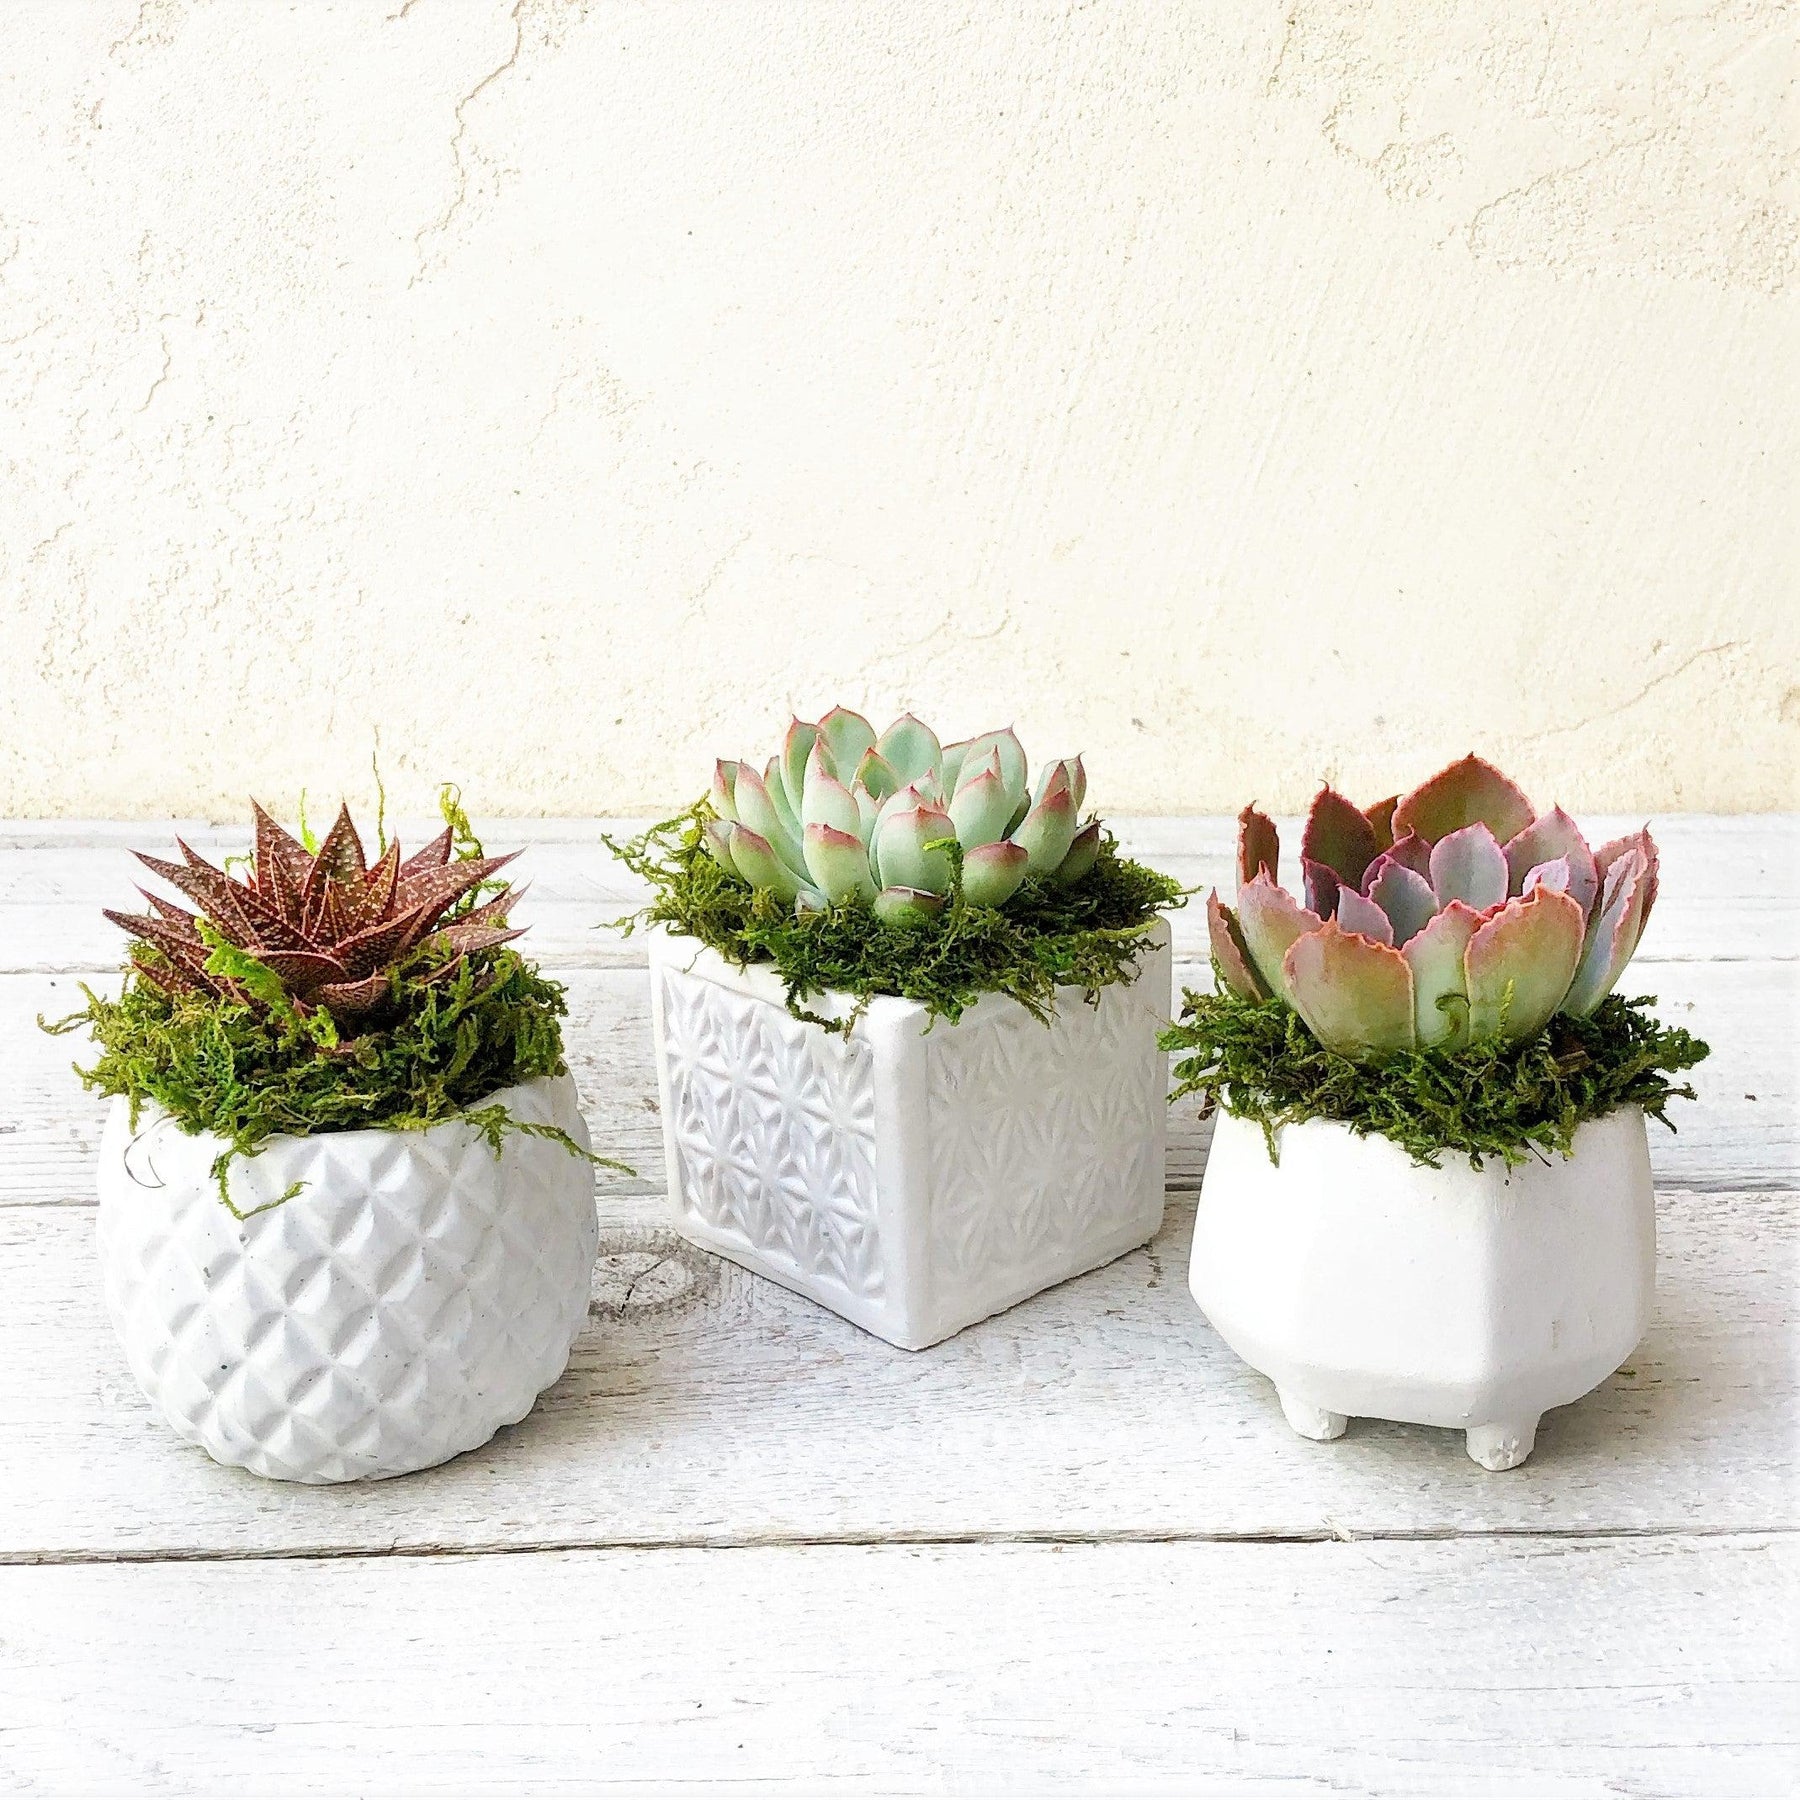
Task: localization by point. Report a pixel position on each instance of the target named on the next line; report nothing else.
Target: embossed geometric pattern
(914, 1180)
(773, 1123)
(416, 1294)
(1036, 1136)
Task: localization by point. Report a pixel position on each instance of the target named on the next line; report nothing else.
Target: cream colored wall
(1242, 393)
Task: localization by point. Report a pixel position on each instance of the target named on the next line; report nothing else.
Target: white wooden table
(1074, 1547)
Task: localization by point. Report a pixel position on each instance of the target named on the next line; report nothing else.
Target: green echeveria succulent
(1448, 916)
(844, 815)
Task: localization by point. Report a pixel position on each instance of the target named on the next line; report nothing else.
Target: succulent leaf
(1519, 964)
(1469, 866)
(1231, 957)
(910, 747)
(992, 873)
(1355, 996)
(1259, 846)
(1048, 830)
(1440, 984)
(716, 834)
(848, 736)
(759, 865)
(1084, 852)
(838, 863)
(907, 906)
(1405, 897)
(875, 775)
(1271, 919)
(827, 801)
(981, 808)
(1469, 792)
(1544, 840)
(1614, 930)
(1321, 884)
(1339, 836)
(1005, 745)
(796, 748)
(911, 848)
(1381, 821)
(758, 815)
(1363, 916)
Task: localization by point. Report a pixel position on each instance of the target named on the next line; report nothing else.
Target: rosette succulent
(1454, 914)
(329, 926)
(844, 815)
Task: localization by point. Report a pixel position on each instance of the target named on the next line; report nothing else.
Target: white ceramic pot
(415, 1295)
(912, 1179)
(1366, 1286)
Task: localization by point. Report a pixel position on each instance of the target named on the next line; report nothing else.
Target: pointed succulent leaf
(1519, 964)
(1259, 846)
(1321, 885)
(971, 767)
(981, 809)
(1555, 874)
(1381, 821)
(1338, 836)
(465, 937)
(992, 873)
(951, 763)
(1048, 830)
(757, 813)
(1408, 851)
(1469, 865)
(905, 799)
(906, 860)
(1612, 933)
(1355, 996)
(838, 863)
(875, 775)
(796, 749)
(907, 906)
(910, 747)
(282, 862)
(1084, 852)
(1406, 898)
(716, 834)
(1231, 957)
(827, 801)
(1077, 780)
(435, 855)
(1470, 792)
(212, 890)
(1363, 916)
(353, 999)
(1006, 746)
(848, 736)
(341, 854)
(1440, 987)
(1544, 840)
(724, 789)
(1645, 846)
(1270, 919)
(757, 862)
(787, 806)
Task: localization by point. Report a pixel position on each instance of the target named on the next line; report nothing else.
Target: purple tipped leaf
(1355, 996)
(1271, 919)
(1544, 840)
(1645, 846)
(838, 863)
(1519, 965)
(796, 749)
(912, 851)
(1406, 898)
(981, 809)
(1321, 886)
(757, 862)
(1048, 830)
(1612, 933)
(1006, 746)
(1440, 985)
(1259, 846)
(907, 906)
(1084, 852)
(992, 873)
(1470, 792)
(848, 736)
(757, 813)
(1231, 957)
(716, 835)
(972, 768)
(1339, 836)
(911, 747)
(1408, 851)
(1364, 917)
(1469, 866)
(826, 801)
(724, 788)
(875, 776)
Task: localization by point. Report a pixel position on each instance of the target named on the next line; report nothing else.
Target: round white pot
(416, 1294)
(1366, 1286)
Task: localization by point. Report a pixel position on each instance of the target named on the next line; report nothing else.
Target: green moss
(1258, 1060)
(1088, 936)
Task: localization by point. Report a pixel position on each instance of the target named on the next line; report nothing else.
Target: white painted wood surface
(1075, 1547)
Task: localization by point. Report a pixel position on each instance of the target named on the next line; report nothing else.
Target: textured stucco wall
(1242, 393)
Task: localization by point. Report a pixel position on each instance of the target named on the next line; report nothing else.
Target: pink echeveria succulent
(1453, 914)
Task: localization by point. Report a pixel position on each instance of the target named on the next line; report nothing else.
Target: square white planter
(913, 1180)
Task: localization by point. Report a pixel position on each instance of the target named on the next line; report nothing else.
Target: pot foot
(1502, 1446)
(1311, 1421)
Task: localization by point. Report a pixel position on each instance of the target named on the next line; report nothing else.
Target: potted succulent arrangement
(1428, 1196)
(346, 1220)
(906, 1008)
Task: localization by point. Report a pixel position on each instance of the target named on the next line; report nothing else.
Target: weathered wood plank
(1659, 1667)
(705, 1406)
(1730, 888)
(1743, 1131)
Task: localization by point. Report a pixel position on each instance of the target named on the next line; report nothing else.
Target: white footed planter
(912, 1180)
(415, 1295)
(1366, 1286)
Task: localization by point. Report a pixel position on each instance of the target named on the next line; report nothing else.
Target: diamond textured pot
(912, 1180)
(1367, 1286)
(416, 1294)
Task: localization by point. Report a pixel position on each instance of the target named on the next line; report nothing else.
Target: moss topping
(1258, 1060)
(1089, 935)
